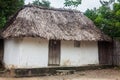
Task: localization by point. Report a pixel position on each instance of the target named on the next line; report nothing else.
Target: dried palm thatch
(49, 23)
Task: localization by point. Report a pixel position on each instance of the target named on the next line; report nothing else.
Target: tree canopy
(107, 17)
(43, 3)
(8, 8)
(74, 3)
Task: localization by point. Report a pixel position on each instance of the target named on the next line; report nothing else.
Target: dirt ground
(102, 74)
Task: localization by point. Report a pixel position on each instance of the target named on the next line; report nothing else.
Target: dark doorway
(54, 53)
(1, 52)
(105, 52)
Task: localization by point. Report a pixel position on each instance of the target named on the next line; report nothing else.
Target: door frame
(49, 52)
(105, 51)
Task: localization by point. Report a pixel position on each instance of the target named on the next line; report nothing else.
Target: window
(76, 43)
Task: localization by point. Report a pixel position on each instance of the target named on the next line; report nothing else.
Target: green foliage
(106, 3)
(74, 3)
(8, 8)
(91, 13)
(118, 0)
(43, 3)
(107, 18)
(2, 21)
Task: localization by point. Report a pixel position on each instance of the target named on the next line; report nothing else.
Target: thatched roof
(49, 23)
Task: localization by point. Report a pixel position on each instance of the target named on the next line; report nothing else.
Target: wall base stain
(33, 72)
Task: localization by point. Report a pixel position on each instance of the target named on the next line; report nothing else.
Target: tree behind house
(74, 3)
(8, 8)
(107, 17)
(43, 3)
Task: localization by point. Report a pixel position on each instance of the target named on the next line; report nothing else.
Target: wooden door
(54, 53)
(105, 52)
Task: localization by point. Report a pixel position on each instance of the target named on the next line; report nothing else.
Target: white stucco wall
(26, 53)
(33, 53)
(86, 54)
(11, 53)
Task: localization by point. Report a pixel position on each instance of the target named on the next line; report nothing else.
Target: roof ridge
(52, 8)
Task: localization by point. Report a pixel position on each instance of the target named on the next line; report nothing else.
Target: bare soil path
(103, 74)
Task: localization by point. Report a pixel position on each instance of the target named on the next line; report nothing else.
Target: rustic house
(37, 37)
